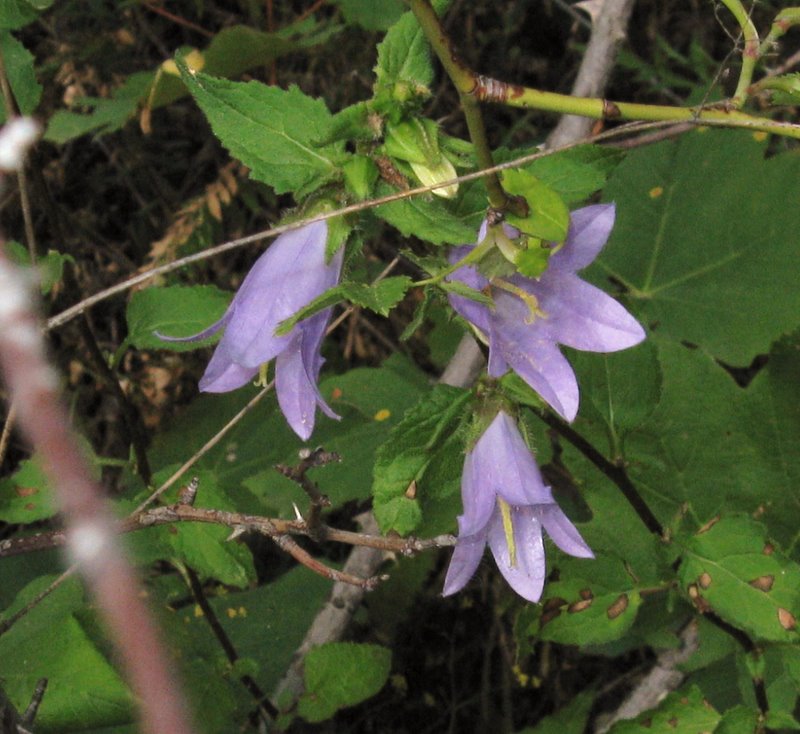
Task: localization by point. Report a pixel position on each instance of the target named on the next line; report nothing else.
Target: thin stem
(751, 50)
(614, 472)
(473, 256)
(5, 436)
(266, 709)
(464, 81)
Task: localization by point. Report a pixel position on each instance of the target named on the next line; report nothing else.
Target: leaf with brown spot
(618, 607)
(763, 583)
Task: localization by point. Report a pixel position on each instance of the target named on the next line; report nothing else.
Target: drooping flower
(289, 275)
(531, 317)
(506, 504)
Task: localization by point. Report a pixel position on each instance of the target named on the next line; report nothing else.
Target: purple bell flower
(290, 274)
(531, 317)
(506, 504)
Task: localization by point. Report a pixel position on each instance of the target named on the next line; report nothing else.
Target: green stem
(784, 20)
(751, 50)
(473, 256)
(464, 81)
(526, 98)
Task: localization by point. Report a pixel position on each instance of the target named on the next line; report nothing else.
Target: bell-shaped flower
(506, 504)
(531, 317)
(288, 276)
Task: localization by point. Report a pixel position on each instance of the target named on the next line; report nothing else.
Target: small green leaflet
(381, 298)
(275, 132)
(340, 674)
(21, 75)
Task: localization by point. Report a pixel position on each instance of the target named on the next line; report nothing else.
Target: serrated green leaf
(734, 570)
(431, 219)
(381, 298)
(19, 63)
(84, 689)
(402, 461)
(577, 173)
(684, 711)
(174, 311)
(274, 132)
(596, 602)
(341, 674)
(548, 216)
(701, 244)
(404, 55)
(737, 720)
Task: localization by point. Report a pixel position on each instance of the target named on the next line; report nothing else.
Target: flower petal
(503, 465)
(477, 497)
(526, 575)
(589, 231)
(563, 533)
(313, 332)
(464, 562)
(222, 374)
(584, 317)
(476, 313)
(289, 275)
(530, 352)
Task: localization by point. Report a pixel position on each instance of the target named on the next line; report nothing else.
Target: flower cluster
(506, 503)
(288, 276)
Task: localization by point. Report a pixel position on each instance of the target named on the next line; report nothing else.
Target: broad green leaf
(373, 15)
(265, 624)
(25, 496)
(401, 462)
(731, 569)
(620, 389)
(595, 602)
(682, 711)
(341, 674)
(370, 401)
(18, 63)
(703, 244)
(16, 13)
(174, 311)
(428, 217)
(50, 641)
(712, 446)
(781, 677)
(738, 720)
(202, 546)
(380, 298)
(548, 216)
(275, 132)
(577, 173)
